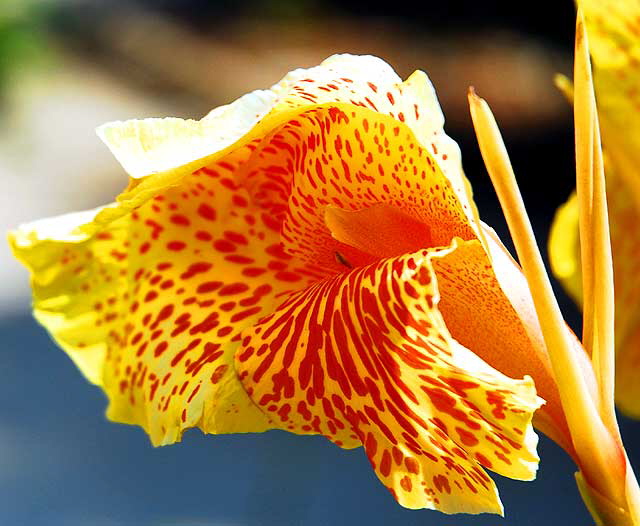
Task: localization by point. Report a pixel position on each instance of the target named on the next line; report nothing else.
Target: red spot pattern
(197, 281)
(363, 364)
(296, 184)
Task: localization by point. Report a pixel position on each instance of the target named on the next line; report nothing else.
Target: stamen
(598, 451)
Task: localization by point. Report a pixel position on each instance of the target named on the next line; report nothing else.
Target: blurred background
(67, 66)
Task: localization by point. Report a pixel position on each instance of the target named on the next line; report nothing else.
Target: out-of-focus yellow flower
(613, 27)
(307, 258)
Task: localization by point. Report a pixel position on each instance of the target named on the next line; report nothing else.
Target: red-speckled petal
(366, 357)
(484, 298)
(370, 83)
(351, 158)
(150, 305)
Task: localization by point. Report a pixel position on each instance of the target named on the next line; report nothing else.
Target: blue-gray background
(61, 462)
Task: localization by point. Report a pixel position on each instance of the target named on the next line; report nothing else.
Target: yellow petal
(564, 248)
(614, 41)
(625, 241)
(350, 158)
(60, 260)
(365, 357)
(151, 305)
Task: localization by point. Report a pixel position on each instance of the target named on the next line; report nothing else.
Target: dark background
(61, 462)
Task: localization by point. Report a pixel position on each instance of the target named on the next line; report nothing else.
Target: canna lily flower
(613, 30)
(308, 258)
